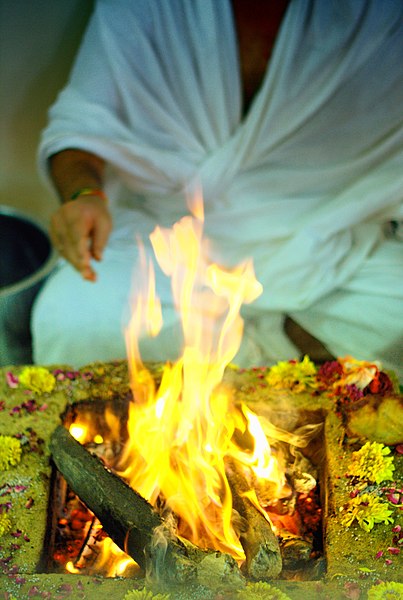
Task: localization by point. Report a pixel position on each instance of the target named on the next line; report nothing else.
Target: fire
(182, 432)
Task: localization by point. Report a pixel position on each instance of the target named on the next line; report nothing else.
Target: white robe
(304, 184)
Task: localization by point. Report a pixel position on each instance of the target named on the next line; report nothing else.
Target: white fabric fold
(303, 184)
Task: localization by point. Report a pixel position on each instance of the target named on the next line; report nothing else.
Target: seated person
(289, 116)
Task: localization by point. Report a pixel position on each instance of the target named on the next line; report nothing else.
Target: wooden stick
(260, 544)
(125, 515)
(131, 522)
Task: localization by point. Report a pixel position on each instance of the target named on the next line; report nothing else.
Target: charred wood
(260, 544)
(130, 521)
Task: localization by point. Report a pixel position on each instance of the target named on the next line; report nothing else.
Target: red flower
(381, 384)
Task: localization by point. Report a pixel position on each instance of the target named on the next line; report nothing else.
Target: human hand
(79, 229)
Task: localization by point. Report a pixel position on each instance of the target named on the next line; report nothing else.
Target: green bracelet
(86, 191)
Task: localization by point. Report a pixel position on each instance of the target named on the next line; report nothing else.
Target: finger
(89, 274)
(100, 236)
(83, 258)
(72, 243)
(55, 232)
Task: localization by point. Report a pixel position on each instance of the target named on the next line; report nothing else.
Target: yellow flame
(79, 432)
(71, 568)
(181, 433)
(112, 560)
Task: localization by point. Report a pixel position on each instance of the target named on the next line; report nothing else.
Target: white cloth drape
(304, 183)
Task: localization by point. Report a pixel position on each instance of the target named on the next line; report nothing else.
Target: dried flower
(367, 510)
(261, 591)
(10, 452)
(298, 376)
(145, 595)
(329, 372)
(37, 379)
(389, 590)
(381, 384)
(358, 372)
(351, 392)
(5, 524)
(371, 462)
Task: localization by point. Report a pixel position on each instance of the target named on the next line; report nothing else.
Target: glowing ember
(181, 434)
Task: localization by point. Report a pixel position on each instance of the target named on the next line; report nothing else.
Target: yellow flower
(145, 595)
(389, 590)
(366, 510)
(371, 462)
(37, 379)
(10, 452)
(357, 372)
(5, 524)
(261, 591)
(294, 375)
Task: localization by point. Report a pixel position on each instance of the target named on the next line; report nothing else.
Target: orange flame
(181, 433)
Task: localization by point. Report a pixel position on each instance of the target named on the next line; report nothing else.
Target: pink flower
(17, 533)
(393, 550)
(379, 554)
(397, 529)
(393, 497)
(12, 380)
(399, 448)
(388, 562)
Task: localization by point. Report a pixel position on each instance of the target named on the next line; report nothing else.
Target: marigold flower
(261, 591)
(37, 379)
(298, 376)
(367, 510)
(371, 462)
(5, 524)
(10, 452)
(389, 590)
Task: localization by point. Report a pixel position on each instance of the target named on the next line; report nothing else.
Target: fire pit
(76, 540)
(350, 552)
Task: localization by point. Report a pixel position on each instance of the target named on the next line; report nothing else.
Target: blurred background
(38, 42)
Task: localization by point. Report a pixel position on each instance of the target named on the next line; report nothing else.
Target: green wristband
(87, 191)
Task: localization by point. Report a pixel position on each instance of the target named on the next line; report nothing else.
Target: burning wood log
(131, 521)
(260, 544)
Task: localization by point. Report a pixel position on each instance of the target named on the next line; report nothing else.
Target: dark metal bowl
(26, 259)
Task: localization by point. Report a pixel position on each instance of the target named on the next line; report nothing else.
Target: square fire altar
(320, 517)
